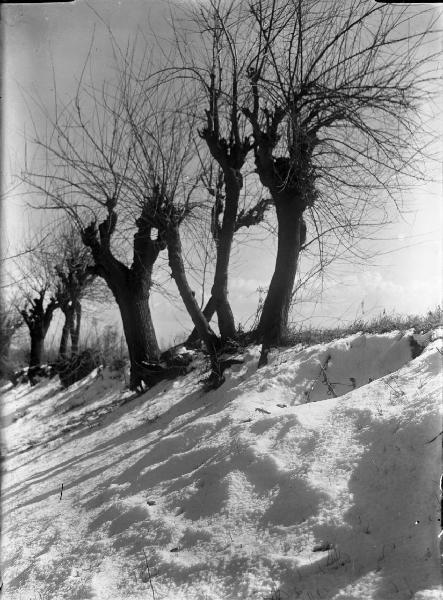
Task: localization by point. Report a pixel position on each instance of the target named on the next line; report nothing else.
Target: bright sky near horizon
(49, 42)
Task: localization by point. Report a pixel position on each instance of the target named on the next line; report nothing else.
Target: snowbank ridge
(315, 477)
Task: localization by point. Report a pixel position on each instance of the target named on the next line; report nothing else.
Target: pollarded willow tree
(327, 95)
(74, 275)
(211, 61)
(82, 168)
(336, 88)
(36, 302)
(167, 186)
(122, 159)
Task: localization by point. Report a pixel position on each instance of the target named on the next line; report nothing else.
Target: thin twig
(434, 438)
(325, 377)
(149, 574)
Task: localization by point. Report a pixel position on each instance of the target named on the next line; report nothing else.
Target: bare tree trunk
(208, 313)
(218, 302)
(68, 311)
(139, 330)
(37, 346)
(38, 320)
(75, 329)
(63, 349)
(274, 318)
(131, 289)
(205, 332)
(226, 323)
(132, 296)
(224, 236)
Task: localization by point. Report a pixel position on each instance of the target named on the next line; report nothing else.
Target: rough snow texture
(313, 478)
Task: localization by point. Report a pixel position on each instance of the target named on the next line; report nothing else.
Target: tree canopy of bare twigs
(90, 172)
(169, 186)
(332, 94)
(129, 168)
(209, 58)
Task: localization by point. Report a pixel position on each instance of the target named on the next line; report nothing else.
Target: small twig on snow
(325, 377)
(434, 438)
(149, 574)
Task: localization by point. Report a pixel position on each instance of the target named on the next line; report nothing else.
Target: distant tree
(38, 302)
(28, 275)
(74, 275)
(38, 317)
(10, 323)
(35, 297)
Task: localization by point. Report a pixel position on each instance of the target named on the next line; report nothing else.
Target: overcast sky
(51, 41)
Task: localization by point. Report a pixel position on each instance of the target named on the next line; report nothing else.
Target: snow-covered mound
(314, 477)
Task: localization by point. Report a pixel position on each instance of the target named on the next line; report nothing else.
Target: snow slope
(313, 478)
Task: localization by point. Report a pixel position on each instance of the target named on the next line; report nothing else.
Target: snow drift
(315, 477)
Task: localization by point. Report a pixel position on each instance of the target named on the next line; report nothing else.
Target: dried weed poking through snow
(315, 477)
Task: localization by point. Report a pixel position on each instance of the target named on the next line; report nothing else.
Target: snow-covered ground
(316, 477)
